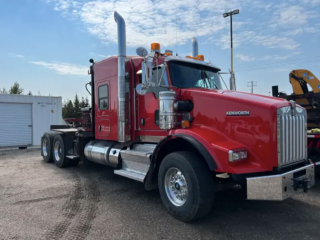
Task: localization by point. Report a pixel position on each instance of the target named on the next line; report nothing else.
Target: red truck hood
(255, 128)
(243, 97)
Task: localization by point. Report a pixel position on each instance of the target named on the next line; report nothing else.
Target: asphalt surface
(41, 201)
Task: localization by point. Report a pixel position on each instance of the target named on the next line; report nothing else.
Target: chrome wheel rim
(176, 187)
(57, 151)
(44, 147)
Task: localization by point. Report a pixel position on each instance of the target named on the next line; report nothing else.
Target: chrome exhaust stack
(121, 76)
(194, 47)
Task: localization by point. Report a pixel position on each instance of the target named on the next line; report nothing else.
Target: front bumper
(281, 186)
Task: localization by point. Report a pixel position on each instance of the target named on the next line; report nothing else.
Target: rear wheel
(46, 146)
(186, 186)
(59, 151)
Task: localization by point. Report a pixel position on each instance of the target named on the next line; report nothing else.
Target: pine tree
(16, 89)
(64, 109)
(76, 106)
(82, 103)
(87, 102)
(70, 110)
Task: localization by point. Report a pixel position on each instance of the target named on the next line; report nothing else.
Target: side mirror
(142, 52)
(141, 89)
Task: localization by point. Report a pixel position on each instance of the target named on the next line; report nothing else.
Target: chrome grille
(291, 135)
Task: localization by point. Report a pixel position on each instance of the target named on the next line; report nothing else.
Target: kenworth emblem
(238, 113)
(292, 108)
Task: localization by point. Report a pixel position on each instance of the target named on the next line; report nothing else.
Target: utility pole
(232, 79)
(252, 84)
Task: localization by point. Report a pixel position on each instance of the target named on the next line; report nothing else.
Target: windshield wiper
(207, 80)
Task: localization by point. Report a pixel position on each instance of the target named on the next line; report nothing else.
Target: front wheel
(186, 186)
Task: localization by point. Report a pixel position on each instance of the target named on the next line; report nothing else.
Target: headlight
(237, 155)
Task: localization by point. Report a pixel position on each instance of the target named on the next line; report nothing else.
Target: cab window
(103, 97)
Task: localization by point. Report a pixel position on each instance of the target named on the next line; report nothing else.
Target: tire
(46, 147)
(199, 185)
(59, 152)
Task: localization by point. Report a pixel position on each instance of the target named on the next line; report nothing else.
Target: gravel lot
(41, 201)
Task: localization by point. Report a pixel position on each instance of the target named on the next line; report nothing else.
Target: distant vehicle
(73, 122)
(300, 79)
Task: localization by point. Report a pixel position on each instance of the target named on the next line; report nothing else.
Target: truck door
(103, 126)
(148, 110)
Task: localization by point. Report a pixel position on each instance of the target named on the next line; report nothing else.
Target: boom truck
(301, 80)
(167, 122)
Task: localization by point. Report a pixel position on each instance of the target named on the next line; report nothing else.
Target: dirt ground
(41, 201)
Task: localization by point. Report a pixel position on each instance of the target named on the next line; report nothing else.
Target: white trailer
(24, 118)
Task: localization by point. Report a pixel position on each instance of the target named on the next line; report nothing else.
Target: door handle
(29, 125)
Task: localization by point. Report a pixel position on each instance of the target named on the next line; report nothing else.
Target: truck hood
(231, 118)
(243, 97)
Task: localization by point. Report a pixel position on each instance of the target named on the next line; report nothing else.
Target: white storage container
(24, 118)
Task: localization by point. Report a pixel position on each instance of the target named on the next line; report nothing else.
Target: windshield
(159, 76)
(190, 75)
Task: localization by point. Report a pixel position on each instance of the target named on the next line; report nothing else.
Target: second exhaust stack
(194, 47)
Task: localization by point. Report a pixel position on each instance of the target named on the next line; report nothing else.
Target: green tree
(16, 89)
(76, 106)
(64, 109)
(87, 102)
(70, 109)
(82, 103)
(4, 91)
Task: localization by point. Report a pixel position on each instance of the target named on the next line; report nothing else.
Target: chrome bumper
(280, 187)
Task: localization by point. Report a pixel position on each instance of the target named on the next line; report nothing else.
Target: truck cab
(170, 123)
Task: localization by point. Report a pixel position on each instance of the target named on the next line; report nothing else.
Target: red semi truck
(167, 122)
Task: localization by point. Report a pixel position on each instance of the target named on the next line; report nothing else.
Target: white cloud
(311, 30)
(99, 55)
(64, 68)
(276, 42)
(279, 57)
(275, 57)
(298, 31)
(251, 37)
(176, 22)
(68, 8)
(168, 22)
(281, 70)
(16, 55)
(147, 22)
(311, 2)
(292, 16)
(245, 58)
(294, 32)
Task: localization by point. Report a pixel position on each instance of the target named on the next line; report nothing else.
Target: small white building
(24, 118)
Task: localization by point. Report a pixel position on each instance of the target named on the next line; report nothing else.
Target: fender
(150, 183)
(197, 145)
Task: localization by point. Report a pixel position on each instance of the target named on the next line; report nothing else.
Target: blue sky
(46, 44)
